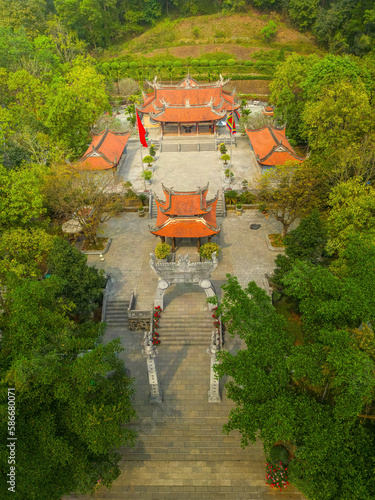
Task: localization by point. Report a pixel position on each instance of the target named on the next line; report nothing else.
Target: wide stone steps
(116, 314)
(194, 329)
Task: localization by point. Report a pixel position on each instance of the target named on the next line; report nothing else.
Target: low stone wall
(139, 320)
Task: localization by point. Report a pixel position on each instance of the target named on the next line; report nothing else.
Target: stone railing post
(149, 352)
(214, 393)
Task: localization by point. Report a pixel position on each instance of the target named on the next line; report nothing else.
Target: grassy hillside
(238, 35)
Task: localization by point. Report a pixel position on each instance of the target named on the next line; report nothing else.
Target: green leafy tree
(303, 12)
(269, 31)
(74, 103)
(290, 191)
(84, 196)
(306, 396)
(83, 285)
(307, 243)
(73, 396)
(352, 211)
(21, 198)
(341, 117)
(24, 252)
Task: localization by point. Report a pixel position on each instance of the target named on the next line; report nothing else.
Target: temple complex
(186, 215)
(104, 152)
(188, 107)
(271, 147)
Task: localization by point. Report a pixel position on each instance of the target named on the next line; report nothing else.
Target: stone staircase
(181, 452)
(183, 328)
(116, 314)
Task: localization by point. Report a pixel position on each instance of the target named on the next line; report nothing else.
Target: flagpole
(231, 133)
(143, 167)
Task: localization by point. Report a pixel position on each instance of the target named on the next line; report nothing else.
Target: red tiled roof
(268, 111)
(186, 215)
(104, 151)
(271, 147)
(185, 228)
(182, 203)
(188, 102)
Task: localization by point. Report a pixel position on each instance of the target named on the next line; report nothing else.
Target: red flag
(141, 131)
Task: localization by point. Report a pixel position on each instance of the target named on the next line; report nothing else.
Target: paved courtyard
(186, 170)
(181, 452)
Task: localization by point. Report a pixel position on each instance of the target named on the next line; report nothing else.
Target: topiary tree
(231, 62)
(168, 64)
(195, 62)
(223, 62)
(223, 148)
(177, 64)
(204, 62)
(133, 65)
(148, 159)
(225, 158)
(152, 150)
(208, 249)
(213, 63)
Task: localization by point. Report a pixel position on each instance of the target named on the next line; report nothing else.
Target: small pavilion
(104, 152)
(271, 147)
(186, 215)
(188, 107)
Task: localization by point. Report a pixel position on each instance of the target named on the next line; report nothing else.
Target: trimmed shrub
(213, 63)
(177, 64)
(208, 249)
(194, 62)
(124, 65)
(133, 65)
(246, 198)
(168, 64)
(159, 64)
(204, 62)
(115, 65)
(231, 62)
(105, 67)
(278, 454)
(223, 62)
(162, 250)
(249, 63)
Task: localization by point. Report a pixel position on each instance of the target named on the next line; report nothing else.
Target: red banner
(141, 131)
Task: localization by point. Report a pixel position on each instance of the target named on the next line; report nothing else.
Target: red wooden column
(197, 129)
(173, 245)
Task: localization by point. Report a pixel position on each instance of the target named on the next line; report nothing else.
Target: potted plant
(152, 150)
(228, 175)
(208, 249)
(162, 250)
(231, 197)
(222, 148)
(239, 209)
(147, 174)
(225, 159)
(149, 160)
(141, 211)
(245, 184)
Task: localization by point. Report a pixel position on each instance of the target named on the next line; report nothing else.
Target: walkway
(181, 452)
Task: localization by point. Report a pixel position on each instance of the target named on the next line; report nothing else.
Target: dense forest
(344, 26)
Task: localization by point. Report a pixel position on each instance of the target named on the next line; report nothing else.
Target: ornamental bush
(278, 454)
(225, 158)
(208, 249)
(247, 198)
(124, 65)
(162, 250)
(168, 64)
(148, 159)
(177, 64)
(204, 62)
(223, 148)
(133, 65)
(231, 62)
(195, 62)
(223, 62)
(213, 63)
(115, 65)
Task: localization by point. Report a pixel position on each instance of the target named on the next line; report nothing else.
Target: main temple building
(188, 107)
